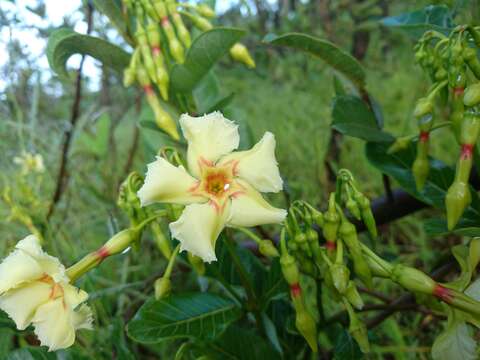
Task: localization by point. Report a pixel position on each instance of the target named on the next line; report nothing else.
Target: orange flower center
(217, 183)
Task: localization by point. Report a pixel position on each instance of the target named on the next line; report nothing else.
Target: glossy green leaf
(197, 315)
(241, 344)
(64, 43)
(31, 353)
(352, 117)
(455, 343)
(433, 17)
(346, 348)
(399, 165)
(337, 58)
(205, 51)
(5, 321)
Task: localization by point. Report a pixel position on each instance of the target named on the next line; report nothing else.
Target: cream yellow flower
(224, 189)
(30, 162)
(34, 289)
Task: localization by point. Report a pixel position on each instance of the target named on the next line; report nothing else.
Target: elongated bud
(176, 49)
(456, 201)
(353, 296)
(163, 288)
(472, 95)
(162, 242)
(197, 264)
(289, 269)
(240, 53)
(352, 206)
(128, 76)
(161, 75)
(400, 144)
(267, 249)
(183, 33)
(340, 276)
(470, 56)
(205, 10)
(359, 332)
(420, 169)
(305, 324)
(162, 118)
(423, 107)
(413, 280)
(331, 221)
(474, 252)
(367, 215)
(200, 22)
(458, 108)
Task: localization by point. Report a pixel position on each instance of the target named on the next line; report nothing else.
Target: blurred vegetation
(288, 94)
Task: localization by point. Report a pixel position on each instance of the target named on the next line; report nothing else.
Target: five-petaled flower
(34, 289)
(224, 189)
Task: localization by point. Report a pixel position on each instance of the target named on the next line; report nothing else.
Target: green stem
(249, 233)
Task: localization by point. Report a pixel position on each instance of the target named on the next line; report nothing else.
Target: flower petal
(167, 183)
(258, 165)
(20, 303)
(209, 137)
(249, 208)
(54, 325)
(198, 228)
(73, 295)
(20, 267)
(83, 318)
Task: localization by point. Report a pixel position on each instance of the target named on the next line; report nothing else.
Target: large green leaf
(197, 315)
(433, 17)
(205, 51)
(5, 321)
(337, 58)
(64, 43)
(455, 343)
(399, 165)
(31, 353)
(351, 116)
(241, 344)
(346, 348)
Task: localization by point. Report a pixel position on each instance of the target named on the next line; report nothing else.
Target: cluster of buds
(454, 68)
(162, 40)
(305, 255)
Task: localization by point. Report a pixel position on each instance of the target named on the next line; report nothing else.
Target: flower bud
(183, 33)
(289, 269)
(128, 77)
(205, 10)
(353, 296)
(358, 331)
(312, 236)
(471, 96)
(163, 288)
(400, 143)
(352, 206)
(470, 128)
(197, 263)
(176, 49)
(305, 324)
(240, 53)
(118, 242)
(474, 252)
(470, 57)
(367, 215)
(331, 221)
(317, 218)
(201, 23)
(162, 242)
(423, 107)
(420, 169)
(267, 249)
(456, 201)
(413, 280)
(340, 276)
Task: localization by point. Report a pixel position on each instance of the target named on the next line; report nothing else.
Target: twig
(62, 178)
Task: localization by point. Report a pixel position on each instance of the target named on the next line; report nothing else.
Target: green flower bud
(367, 215)
(340, 276)
(331, 221)
(163, 288)
(201, 23)
(305, 324)
(470, 129)
(289, 269)
(300, 238)
(471, 96)
(359, 332)
(474, 252)
(183, 33)
(312, 236)
(400, 143)
(128, 77)
(267, 249)
(352, 206)
(205, 10)
(423, 107)
(353, 296)
(176, 49)
(240, 53)
(413, 280)
(456, 201)
(317, 218)
(197, 264)
(420, 169)
(470, 56)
